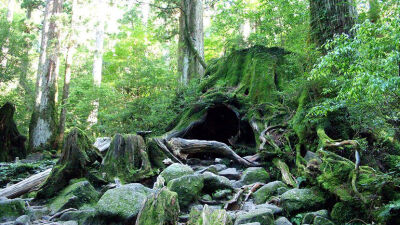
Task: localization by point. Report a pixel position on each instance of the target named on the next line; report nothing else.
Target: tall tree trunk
(10, 16)
(67, 78)
(98, 60)
(330, 17)
(42, 128)
(191, 40)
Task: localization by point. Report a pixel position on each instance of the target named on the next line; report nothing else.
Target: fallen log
(25, 186)
(188, 147)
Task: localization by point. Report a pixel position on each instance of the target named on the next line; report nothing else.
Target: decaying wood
(234, 203)
(102, 143)
(253, 189)
(185, 146)
(287, 177)
(25, 186)
(164, 148)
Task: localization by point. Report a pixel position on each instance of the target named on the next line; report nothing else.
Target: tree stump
(12, 143)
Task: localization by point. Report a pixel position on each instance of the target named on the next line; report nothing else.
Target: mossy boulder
(208, 216)
(127, 159)
(11, 209)
(123, 202)
(319, 220)
(296, 200)
(343, 212)
(75, 196)
(188, 188)
(12, 143)
(263, 216)
(253, 175)
(214, 182)
(176, 170)
(266, 191)
(309, 217)
(160, 208)
(77, 158)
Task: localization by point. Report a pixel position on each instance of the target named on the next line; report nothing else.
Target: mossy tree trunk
(42, 128)
(330, 17)
(12, 143)
(191, 40)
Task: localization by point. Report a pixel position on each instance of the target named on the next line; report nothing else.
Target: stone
(74, 196)
(214, 182)
(263, 216)
(309, 217)
(23, 220)
(207, 197)
(11, 209)
(161, 207)
(176, 170)
(282, 221)
(123, 202)
(209, 216)
(37, 212)
(266, 191)
(296, 200)
(71, 222)
(254, 174)
(221, 194)
(187, 187)
(275, 209)
(230, 173)
(79, 215)
(319, 220)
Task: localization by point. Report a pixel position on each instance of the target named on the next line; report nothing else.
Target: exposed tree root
(287, 177)
(164, 148)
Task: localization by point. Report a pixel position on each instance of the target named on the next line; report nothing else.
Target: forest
(199, 112)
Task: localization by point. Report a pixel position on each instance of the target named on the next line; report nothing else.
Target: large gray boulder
(296, 200)
(263, 216)
(176, 170)
(268, 190)
(253, 175)
(214, 182)
(187, 187)
(123, 202)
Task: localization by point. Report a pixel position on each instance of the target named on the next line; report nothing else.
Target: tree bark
(42, 128)
(330, 17)
(67, 78)
(191, 40)
(10, 16)
(98, 61)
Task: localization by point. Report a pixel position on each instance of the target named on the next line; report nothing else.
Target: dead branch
(164, 148)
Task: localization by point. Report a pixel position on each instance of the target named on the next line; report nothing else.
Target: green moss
(188, 188)
(343, 212)
(209, 216)
(10, 209)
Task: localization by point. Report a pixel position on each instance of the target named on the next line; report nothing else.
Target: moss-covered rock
(343, 212)
(160, 208)
(309, 217)
(266, 191)
(127, 159)
(176, 170)
(214, 182)
(254, 174)
(263, 216)
(296, 200)
(79, 215)
(221, 194)
(77, 158)
(11, 209)
(75, 196)
(188, 188)
(123, 202)
(319, 220)
(209, 216)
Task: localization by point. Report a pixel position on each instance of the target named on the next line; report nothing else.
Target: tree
(70, 50)
(330, 17)
(10, 15)
(191, 40)
(98, 60)
(42, 128)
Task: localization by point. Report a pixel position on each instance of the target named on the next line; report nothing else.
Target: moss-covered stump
(160, 208)
(208, 216)
(74, 196)
(77, 158)
(12, 143)
(127, 159)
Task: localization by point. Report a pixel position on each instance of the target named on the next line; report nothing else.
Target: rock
(309, 217)
(282, 221)
(187, 187)
(230, 173)
(296, 199)
(37, 212)
(123, 202)
(79, 215)
(319, 220)
(74, 196)
(102, 143)
(263, 216)
(213, 168)
(221, 194)
(255, 223)
(11, 209)
(209, 216)
(161, 208)
(268, 190)
(176, 170)
(281, 190)
(275, 209)
(253, 175)
(71, 222)
(214, 182)
(207, 197)
(23, 220)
